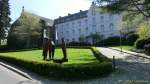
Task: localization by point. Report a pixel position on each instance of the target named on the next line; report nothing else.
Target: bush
(139, 44)
(99, 56)
(112, 41)
(147, 48)
(79, 44)
(131, 38)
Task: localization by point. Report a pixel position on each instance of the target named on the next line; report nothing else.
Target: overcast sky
(48, 8)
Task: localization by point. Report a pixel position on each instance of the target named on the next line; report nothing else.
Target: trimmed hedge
(69, 71)
(79, 44)
(147, 48)
(140, 43)
(131, 38)
(99, 56)
(112, 41)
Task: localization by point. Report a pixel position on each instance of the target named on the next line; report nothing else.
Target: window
(102, 18)
(73, 24)
(67, 32)
(86, 22)
(80, 31)
(67, 25)
(87, 29)
(102, 28)
(111, 26)
(93, 12)
(110, 16)
(79, 23)
(94, 26)
(73, 32)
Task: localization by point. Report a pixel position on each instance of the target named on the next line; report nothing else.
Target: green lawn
(75, 56)
(125, 47)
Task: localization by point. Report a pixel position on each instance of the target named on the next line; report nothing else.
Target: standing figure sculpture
(51, 48)
(45, 48)
(64, 50)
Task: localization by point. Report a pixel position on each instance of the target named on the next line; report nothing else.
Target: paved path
(9, 77)
(130, 68)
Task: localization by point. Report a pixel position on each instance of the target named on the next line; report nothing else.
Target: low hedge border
(66, 71)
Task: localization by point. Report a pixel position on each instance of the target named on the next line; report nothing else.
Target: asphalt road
(9, 77)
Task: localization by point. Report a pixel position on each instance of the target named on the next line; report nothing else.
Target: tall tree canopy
(134, 7)
(4, 17)
(25, 32)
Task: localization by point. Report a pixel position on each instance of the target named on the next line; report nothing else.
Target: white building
(85, 23)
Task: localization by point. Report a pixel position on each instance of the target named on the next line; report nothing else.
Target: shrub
(112, 41)
(147, 48)
(98, 55)
(139, 44)
(131, 38)
(79, 44)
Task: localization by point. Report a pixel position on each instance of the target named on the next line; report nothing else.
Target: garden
(83, 63)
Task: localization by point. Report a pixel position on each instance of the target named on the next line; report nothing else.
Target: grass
(75, 56)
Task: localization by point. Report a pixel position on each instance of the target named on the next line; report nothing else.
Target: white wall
(103, 23)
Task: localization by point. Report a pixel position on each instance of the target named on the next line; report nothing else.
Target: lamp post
(120, 41)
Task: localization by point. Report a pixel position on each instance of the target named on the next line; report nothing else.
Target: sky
(51, 9)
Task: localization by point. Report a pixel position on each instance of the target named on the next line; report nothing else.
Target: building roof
(71, 17)
(49, 22)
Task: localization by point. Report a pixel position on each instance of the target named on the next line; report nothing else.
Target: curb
(129, 53)
(15, 70)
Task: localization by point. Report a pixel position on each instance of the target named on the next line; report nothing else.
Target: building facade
(85, 23)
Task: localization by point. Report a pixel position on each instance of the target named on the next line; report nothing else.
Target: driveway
(130, 69)
(9, 77)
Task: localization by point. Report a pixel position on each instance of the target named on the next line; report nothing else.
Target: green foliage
(144, 30)
(82, 39)
(139, 44)
(81, 64)
(79, 44)
(131, 38)
(125, 47)
(95, 37)
(25, 32)
(4, 17)
(112, 41)
(134, 7)
(99, 56)
(129, 23)
(147, 48)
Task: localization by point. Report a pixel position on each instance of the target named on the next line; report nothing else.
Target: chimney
(22, 8)
(69, 14)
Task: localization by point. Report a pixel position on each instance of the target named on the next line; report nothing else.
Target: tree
(82, 39)
(144, 31)
(95, 37)
(130, 24)
(25, 32)
(4, 17)
(134, 7)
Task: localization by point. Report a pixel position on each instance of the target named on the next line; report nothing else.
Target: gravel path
(130, 69)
